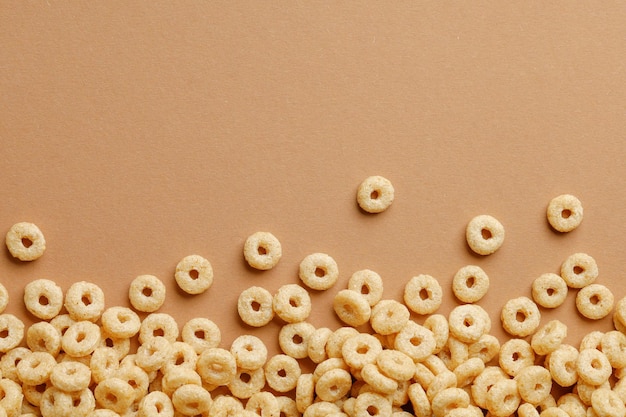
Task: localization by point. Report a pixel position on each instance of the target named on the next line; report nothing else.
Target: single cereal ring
(293, 339)
(592, 340)
(4, 298)
(136, 378)
(177, 377)
(487, 347)
(11, 332)
(201, 334)
(104, 363)
(333, 385)
(572, 405)
(156, 404)
(194, 274)
(375, 194)
(470, 284)
(158, 324)
(305, 392)
(55, 402)
(247, 382)
(114, 394)
(565, 213)
(369, 284)
(423, 294)
(579, 270)
(262, 250)
(484, 382)
(320, 409)
(263, 404)
(549, 290)
(287, 406)
(43, 337)
(352, 308)
(419, 400)
(282, 373)
(120, 322)
(225, 406)
(318, 271)
(389, 316)
(371, 404)
(549, 337)
(191, 400)
(515, 354)
(562, 365)
(152, 354)
(317, 344)
(415, 341)
(593, 367)
(35, 368)
(395, 364)
(607, 403)
(62, 322)
(360, 350)
(484, 234)
(146, 293)
(25, 241)
(594, 301)
(216, 366)
(32, 395)
(255, 306)
(43, 298)
(467, 371)
(377, 380)
(468, 322)
(520, 316)
(292, 303)
(438, 324)
(84, 301)
(448, 400)
(249, 352)
(70, 376)
(534, 383)
(81, 339)
(613, 345)
(503, 398)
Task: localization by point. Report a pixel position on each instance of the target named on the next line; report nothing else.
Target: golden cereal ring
(520, 316)
(389, 316)
(32, 395)
(35, 368)
(471, 411)
(84, 301)
(592, 340)
(419, 400)
(619, 317)
(468, 322)
(121, 345)
(282, 373)
(377, 380)
(120, 322)
(423, 375)
(607, 403)
(572, 405)
(371, 404)
(395, 364)
(292, 303)
(327, 365)
(320, 409)
(375, 194)
(515, 354)
(177, 377)
(247, 382)
(360, 350)
(565, 213)
(155, 404)
(263, 404)
(10, 360)
(467, 371)
(249, 352)
(255, 306)
(470, 284)
(549, 337)
(318, 271)
(549, 290)
(287, 406)
(316, 348)
(352, 308)
(534, 384)
(225, 406)
(458, 352)
(136, 378)
(12, 397)
(55, 402)
(594, 301)
(503, 398)
(438, 324)
(43, 298)
(440, 382)
(114, 394)
(305, 391)
(194, 274)
(553, 412)
(562, 365)
(25, 241)
(70, 376)
(191, 400)
(43, 337)
(423, 294)
(158, 324)
(81, 338)
(436, 364)
(201, 334)
(484, 382)
(579, 270)
(613, 345)
(104, 363)
(4, 298)
(146, 293)
(367, 283)
(153, 354)
(415, 341)
(333, 385)
(486, 348)
(293, 339)
(62, 322)
(11, 332)
(262, 250)
(585, 390)
(593, 367)
(484, 234)
(448, 400)
(216, 366)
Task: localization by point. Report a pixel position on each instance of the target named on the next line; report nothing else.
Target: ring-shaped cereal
(293, 339)
(377, 380)
(438, 324)
(55, 402)
(368, 283)
(503, 398)
(607, 403)
(613, 345)
(156, 403)
(360, 350)
(515, 355)
(12, 330)
(419, 400)
(255, 307)
(594, 301)
(249, 352)
(84, 301)
(520, 316)
(25, 241)
(158, 324)
(371, 404)
(565, 213)
(562, 365)
(247, 382)
(81, 339)
(282, 373)
(35, 368)
(262, 250)
(467, 371)
(415, 341)
(484, 234)
(534, 383)
(316, 348)
(181, 355)
(375, 194)
(549, 337)
(4, 298)
(351, 308)
(318, 271)
(619, 316)
(194, 274)
(593, 367)
(70, 376)
(114, 394)
(191, 400)
(9, 361)
(201, 333)
(43, 337)
(448, 400)
(43, 298)
(335, 342)
(423, 294)
(486, 348)
(389, 317)
(292, 303)
(579, 270)
(152, 354)
(333, 385)
(470, 284)
(305, 392)
(120, 322)
(549, 290)
(395, 364)
(468, 322)
(146, 293)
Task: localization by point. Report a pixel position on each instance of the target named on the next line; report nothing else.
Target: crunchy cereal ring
(216, 366)
(549, 290)
(292, 303)
(255, 306)
(318, 271)
(120, 322)
(191, 400)
(43, 298)
(562, 365)
(520, 316)
(549, 337)
(282, 373)
(84, 301)
(152, 354)
(503, 398)
(201, 333)
(146, 293)
(305, 391)
(534, 383)
(104, 363)
(155, 404)
(468, 322)
(11, 332)
(35, 368)
(10, 360)
(438, 324)
(594, 301)
(70, 376)
(613, 345)
(360, 350)
(327, 365)
(287, 406)
(579, 270)
(423, 294)
(177, 377)
(194, 274)
(43, 337)
(484, 382)
(377, 380)
(57, 403)
(293, 339)
(247, 382)
(619, 317)
(415, 341)
(565, 213)
(448, 400)
(593, 367)
(158, 324)
(419, 400)
(262, 250)
(81, 339)
(484, 234)
(395, 364)
(607, 403)
(470, 284)
(351, 308)
(371, 404)
(333, 384)
(317, 344)
(486, 348)
(62, 322)
(375, 194)
(441, 381)
(4, 298)
(114, 394)
(389, 316)
(249, 352)
(136, 378)
(467, 371)
(25, 241)
(367, 283)
(515, 354)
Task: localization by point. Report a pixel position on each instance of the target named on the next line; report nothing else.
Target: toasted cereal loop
(318, 271)
(25, 241)
(371, 404)
(467, 371)
(360, 350)
(43, 298)
(43, 337)
(225, 406)
(70, 376)
(419, 400)
(487, 347)
(58, 403)
(255, 306)
(593, 367)
(9, 361)
(470, 284)
(247, 382)
(389, 316)
(592, 340)
(562, 365)
(11, 332)
(520, 316)
(415, 341)
(120, 322)
(293, 339)
(317, 344)
(287, 406)
(334, 346)
(305, 391)
(201, 333)
(146, 293)
(369, 284)
(549, 337)
(333, 384)
(484, 382)
(35, 368)
(468, 322)
(157, 404)
(503, 398)
(613, 345)
(579, 270)
(549, 290)
(619, 317)
(216, 366)
(152, 354)
(114, 394)
(62, 322)
(584, 390)
(263, 404)
(262, 250)
(177, 377)
(438, 324)
(484, 234)
(572, 405)
(565, 213)
(249, 352)
(282, 373)
(515, 354)
(443, 380)
(84, 301)
(395, 364)
(158, 324)
(191, 400)
(194, 274)
(327, 365)
(607, 403)
(423, 294)
(352, 308)
(423, 375)
(534, 383)
(292, 303)
(448, 400)
(594, 301)
(81, 338)
(377, 380)
(375, 194)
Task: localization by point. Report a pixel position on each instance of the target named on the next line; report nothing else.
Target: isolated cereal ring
(70, 376)
(534, 383)
(293, 339)
(247, 382)
(368, 283)
(25, 241)
(565, 213)
(593, 367)
(282, 373)
(351, 308)
(549, 290)
(120, 321)
(249, 352)
(114, 394)
(468, 322)
(255, 306)
(156, 403)
(43, 337)
(84, 301)
(194, 274)
(470, 284)
(415, 341)
(13, 328)
(549, 337)
(158, 324)
(579, 270)
(292, 303)
(438, 324)
(81, 339)
(360, 350)
(146, 293)
(201, 333)
(562, 365)
(375, 194)
(484, 234)
(318, 271)
(423, 294)
(191, 400)
(43, 298)
(594, 301)
(520, 316)
(262, 250)
(389, 316)
(515, 354)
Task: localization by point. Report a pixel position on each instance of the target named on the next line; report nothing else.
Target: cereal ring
(435, 364)
(104, 363)
(352, 308)
(81, 339)
(484, 382)
(305, 391)
(593, 367)
(62, 322)
(146, 293)
(317, 344)
(43, 337)
(377, 380)
(419, 400)
(43, 298)
(520, 316)
(120, 322)
(4, 298)
(247, 382)
(515, 354)
(470, 284)
(534, 383)
(282, 373)
(375, 194)
(293, 339)
(503, 398)
(484, 234)
(262, 250)
(423, 294)
(177, 377)
(553, 412)
(360, 350)
(249, 352)
(438, 324)
(320, 409)
(84, 301)
(572, 405)
(594, 301)
(55, 402)
(487, 347)
(369, 284)
(619, 317)
(395, 364)
(25, 241)
(579, 270)
(592, 340)
(216, 366)
(32, 395)
(114, 394)
(334, 346)
(287, 406)
(318, 271)
(448, 400)
(613, 345)
(194, 274)
(35, 368)
(565, 213)
(158, 324)
(415, 341)
(333, 385)
(255, 306)
(467, 371)
(549, 290)
(136, 378)
(10, 360)
(440, 382)
(292, 303)
(191, 400)
(468, 322)
(389, 316)
(371, 404)
(152, 354)
(156, 403)
(549, 337)
(11, 332)
(201, 334)
(263, 404)
(459, 352)
(606, 403)
(70, 376)
(562, 365)
(327, 365)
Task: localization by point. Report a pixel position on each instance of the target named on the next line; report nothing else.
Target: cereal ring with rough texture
(177, 377)
(305, 392)
(468, 322)
(249, 352)
(565, 213)
(458, 350)
(549, 290)
(375, 194)
(10, 360)
(146, 293)
(194, 274)
(423, 294)
(484, 382)
(152, 354)
(395, 364)
(81, 339)
(468, 371)
(4, 298)
(216, 366)
(263, 404)
(292, 303)
(593, 367)
(619, 317)
(201, 334)
(114, 394)
(520, 316)
(282, 373)
(369, 284)
(591, 340)
(84, 301)
(415, 341)
(389, 316)
(377, 380)
(57, 403)
(333, 384)
(287, 406)
(562, 365)
(262, 250)
(352, 308)
(70, 376)
(327, 365)
(572, 405)
(419, 400)
(594, 301)
(247, 382)
(438, 324)
(120, 322)
(62, 322)
(549, 337)
(515, 354)
(613, 345)
(441, 381)
(317, 344)
(448, 400)
(371, 404)
(534, 383)
(607, 403)
(503, 398)
(191, 400)
(360, 350)
(35, 368)
(255, 306)
(104, 363)
(484, 234)
(486, 348)
(579, 270)
(293, 339)
(43, 337)
(156, 404)
(318, 271)
(25, 241)
(158, 324)
(470, 284)
(43, 298)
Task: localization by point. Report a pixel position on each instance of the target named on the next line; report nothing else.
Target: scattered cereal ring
(255, 306)
(247, 382)
(263, 404)
(43, 337)
(579, 270)
(70, 376)
(607, 403)
(282, 373)
(438, 324)
(593, 367)
(549, 290)
(359, 350)
(84, 301)
(369, 284)
(613, 345)
(423, 294)
(318, 271)
(395, 364)
(292, 303)
(333, 384)
(415, 341)
(515, 355)
(562, 365)
(35, 368)
(448, 400)
(25, 241)
(520, 316)
(305, 392)
(156, 403)
(371, 404)
(120, 322)
(262, 250)
(594, 301)
(293, 339)
(81, 338)
(4, 298)
(114, 394)
(352, 308)
(43, 298)
(470, 284)
(467, 371)
(468, 322)
(565, 213)
(375, 194)
(194, 274)
(249, 352)
(549, 337)
(534, 383)
(503, 398)
(11, 332)
(334, 345)
(191, 400)
(146, 293)
(317, 344)
(216, 366)
(158, 324)
(201, 333)
(389, 316)
(486, 348)
(484, 234)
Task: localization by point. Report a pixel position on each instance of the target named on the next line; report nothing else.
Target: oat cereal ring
(371, 404)
(43, 298)
(262, 250)
(287, 406)
(327, 365)
(317, 344)
(534, 384)
(114, 394)
(562, 365)
(594, 301)
(104, 363)
(579, 270)
(389, 316)
(592, 340)
(593, 367)
(25, 241)
(84, 301)
(249, 352)
(503, 398)
(352, 308)
(156, 404)
(62, 322)
(320, 409)
(35, 368)
(613, 345)
(520, 316)
(369, 284)
(333, 385)
(423, 294)
(470, 284)
(484, 234)
(43, 337)
(360, 350)
(553, 411)
(415, 341)
(486, 348)
(375, 194)
(152, 354)
(146, 293)
(81, 338)
(565, 213)
(70, 376)
(549, 290)
(467, 371)
(318, 271)
(438, 324)
(619, 316)
(194, 274)
(484, 382)
(377, 380)
(120, 322)
(515, 354)
(472, 411)
(191, 400)
(177, 377)
(419, 400)
(216, 366)
(263, 404)
(247, 382)
(282, 373)
(607, 403)
(11, 332)
(549, 337)
(395, 364)
(444, 380)
(292, 303)
(448, 400)
(201, 333)
(572, 405)
(32, 395)
(255, 306)
(158, 324)
(57, 403)
(468, 322)
(10, 360)
(293, 339)
(136, 378)
(305, 392)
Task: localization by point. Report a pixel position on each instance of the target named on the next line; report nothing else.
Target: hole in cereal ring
(372, 410)
(111, 398)
(43, 300)
(199, 334)
(595, 364)
(4, 333)
(41, 388)
(26, 242)
(133, 383)
(245, 377)
(294, 302)
(261, 250)
(147, 291)
(468, 322)
(520, 316)
(470, 281)
(249, 348)
(486, 234)
(158, 406)
(374, 195)
(108, 342)
(256, 306)
(416, 341)
(550, 291)
(515, 356)
(566, 213)
(77, 402)
(362, 350)
(594, 299)
(86, 299)
(348, 308)
(194, 274)
(538, 387)
(80, 337)
(179, 360)
(282, 373)
(320, 272)
(365, 289)
(578, 269)
(424, 294)
(297, 339)
(158, 332)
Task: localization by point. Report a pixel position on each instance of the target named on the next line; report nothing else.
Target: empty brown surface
(135, 134)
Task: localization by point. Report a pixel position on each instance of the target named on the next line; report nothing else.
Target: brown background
(135, 134)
